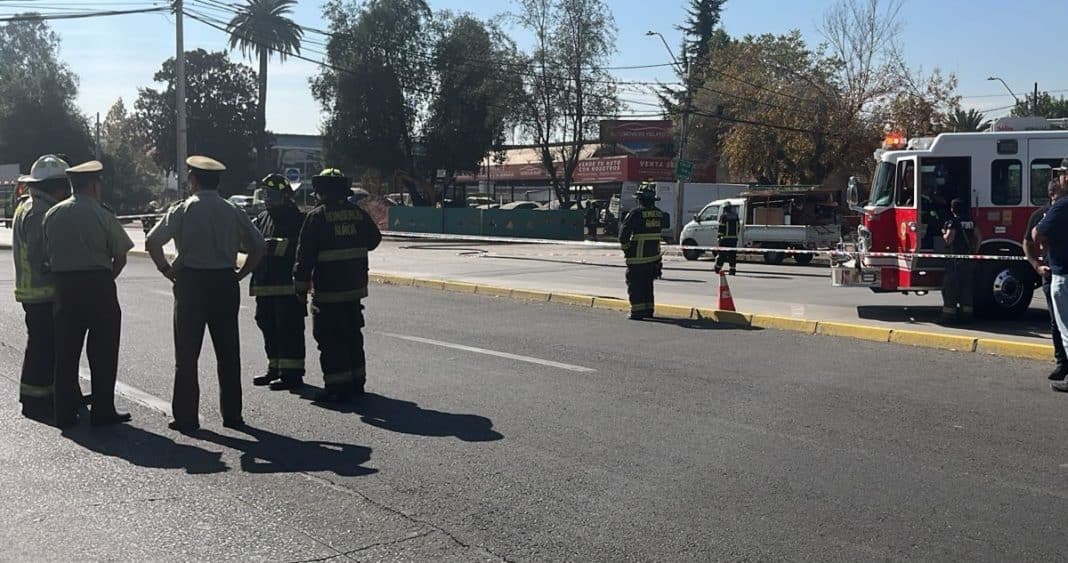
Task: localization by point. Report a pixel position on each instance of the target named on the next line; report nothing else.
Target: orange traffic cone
(726, 302)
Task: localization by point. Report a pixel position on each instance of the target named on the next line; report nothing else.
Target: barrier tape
(676, 249)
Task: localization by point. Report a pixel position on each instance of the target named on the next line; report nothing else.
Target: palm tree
(260, 28)
(966, 121)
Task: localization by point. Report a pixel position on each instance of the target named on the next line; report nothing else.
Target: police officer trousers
(281, 319)
(957, 286)
(38, 363)
(640, 287)
(337, 330)
(1058, 345)
(727, 256)
(206, 299)
(87, 304)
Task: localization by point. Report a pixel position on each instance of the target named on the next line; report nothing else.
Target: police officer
(960, 237)
(332, 258)
(1040, 262)
(279, 312)
(87, 249)
(208, 232)
(728, 237)
(34, 283)
(639, 236)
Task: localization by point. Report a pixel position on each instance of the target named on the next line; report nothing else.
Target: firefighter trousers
(38, 363)
(727, 256)
(281, 320)
(206, 299)
(337, 330)
(87, 305)
(640, 287)
(957, 287)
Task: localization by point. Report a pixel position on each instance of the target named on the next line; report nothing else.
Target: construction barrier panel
(462, 221)
(416, 219)
(531, 223)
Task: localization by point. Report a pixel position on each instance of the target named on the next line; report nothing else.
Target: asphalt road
(504, 430)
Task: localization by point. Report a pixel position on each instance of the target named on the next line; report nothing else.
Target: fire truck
(1001, 178)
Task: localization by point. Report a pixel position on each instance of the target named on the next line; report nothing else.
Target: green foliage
(702, 34)
(966, 121)
(37, 98)
(131, 177)
(259, 28)
(221, 108)
(1048, 106)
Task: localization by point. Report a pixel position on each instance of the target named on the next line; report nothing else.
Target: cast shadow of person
(274, 453)
(146, 449)
(406, 417)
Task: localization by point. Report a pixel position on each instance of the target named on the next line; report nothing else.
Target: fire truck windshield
(882, 189)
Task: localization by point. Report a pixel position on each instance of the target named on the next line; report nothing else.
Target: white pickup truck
(703, 230)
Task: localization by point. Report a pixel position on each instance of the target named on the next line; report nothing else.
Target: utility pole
(179, 103)
(679, 182)
(98, 135)
(1035, 99)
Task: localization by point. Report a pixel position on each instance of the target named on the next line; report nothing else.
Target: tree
(373, 87)
(37, 97)
(221, 108)
(1048, 106)
(923, 106)
(130, 172)
(567, 90)
(966, 121)
(260, 28)
(702, 34)
(475, 95)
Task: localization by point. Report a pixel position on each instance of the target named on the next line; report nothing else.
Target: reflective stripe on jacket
(332, 252)
(273, 277)
(639, 235)
(33, 282)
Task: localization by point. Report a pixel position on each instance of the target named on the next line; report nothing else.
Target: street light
(685, 69)
(1006, 87)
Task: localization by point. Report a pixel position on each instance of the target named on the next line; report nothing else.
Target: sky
(973, 39)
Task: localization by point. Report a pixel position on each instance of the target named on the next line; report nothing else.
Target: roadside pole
(179, 102)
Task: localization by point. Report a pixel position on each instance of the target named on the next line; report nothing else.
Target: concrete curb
(920, 339)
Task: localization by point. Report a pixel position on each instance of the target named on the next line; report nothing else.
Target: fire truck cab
(1001, 178)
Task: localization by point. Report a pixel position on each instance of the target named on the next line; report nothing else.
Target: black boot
(267, 379)
(1058, 373)
(333, 396)
(287, 383)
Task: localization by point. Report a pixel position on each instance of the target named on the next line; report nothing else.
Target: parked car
(248, 204)
(521, 205)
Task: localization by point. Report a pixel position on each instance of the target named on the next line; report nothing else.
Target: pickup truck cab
(761, 227)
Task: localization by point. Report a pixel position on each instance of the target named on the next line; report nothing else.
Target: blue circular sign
(293, 174)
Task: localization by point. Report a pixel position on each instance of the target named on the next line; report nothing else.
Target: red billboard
(640, 131)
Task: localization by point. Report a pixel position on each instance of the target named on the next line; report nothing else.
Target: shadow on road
(696, 324)
(1034, 323)
(274, 453)
(146, 449)
(406, 417)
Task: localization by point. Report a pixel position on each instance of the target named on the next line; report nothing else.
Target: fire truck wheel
(1004, 290)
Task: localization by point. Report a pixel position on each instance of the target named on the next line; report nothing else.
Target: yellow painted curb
(783, 323)
(572, 299)
(673, 311)
(1042, 352)
(932, 340)
(621, 305)
(725, 317)
(429, 284)
(460, 287)
(493, 291)
(530, 295)
(862, 332)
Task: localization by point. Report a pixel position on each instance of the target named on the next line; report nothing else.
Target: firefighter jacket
(640, 235)
(281, 229)
(33, 280)
(728, 225)
(332, 253)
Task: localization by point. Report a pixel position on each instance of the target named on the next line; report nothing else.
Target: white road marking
(138, 396)
(516, 357)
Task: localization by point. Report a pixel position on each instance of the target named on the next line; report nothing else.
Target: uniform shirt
(962, 241)
(81, 235)
(33, 281)
(1031, 224)
(1054, 226)
(208, 232)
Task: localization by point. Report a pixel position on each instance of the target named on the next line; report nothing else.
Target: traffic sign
(683, 170)
(293, 174)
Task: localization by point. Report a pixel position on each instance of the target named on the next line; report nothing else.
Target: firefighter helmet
(48, 167)
(331, 182)
(273, 189)
(646, 193)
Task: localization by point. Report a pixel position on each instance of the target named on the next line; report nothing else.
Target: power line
(82, 15)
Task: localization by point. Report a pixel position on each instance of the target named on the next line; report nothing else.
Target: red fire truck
(1001, 177)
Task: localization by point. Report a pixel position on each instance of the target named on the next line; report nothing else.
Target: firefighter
(87, 249)
(728, 238)
(35, 285)
(331, 263)
(960, 237)
(639, 235)
(279, 312)
(208, 232)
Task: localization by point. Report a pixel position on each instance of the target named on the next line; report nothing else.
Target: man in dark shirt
(1040, 263)
(1052, 234)
(957, 289)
